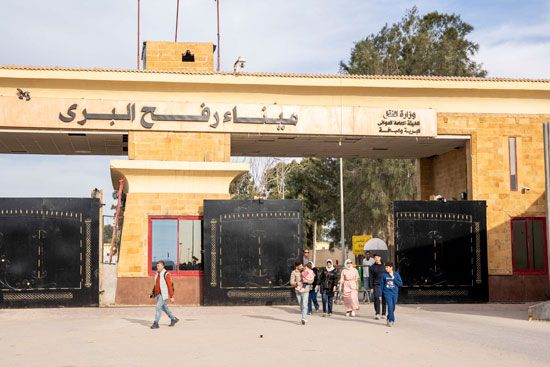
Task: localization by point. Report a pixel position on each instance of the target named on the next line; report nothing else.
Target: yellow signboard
(358, 243)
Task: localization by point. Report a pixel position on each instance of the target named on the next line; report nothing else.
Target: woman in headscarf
(349, 286)
(328, 280)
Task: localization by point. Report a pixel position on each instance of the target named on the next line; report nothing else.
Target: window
(529, 252)
(512, 150)
(178, 242)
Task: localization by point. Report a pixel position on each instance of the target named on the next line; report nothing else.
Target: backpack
(171, 281)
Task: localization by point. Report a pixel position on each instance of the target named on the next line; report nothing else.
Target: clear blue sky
(284, 36)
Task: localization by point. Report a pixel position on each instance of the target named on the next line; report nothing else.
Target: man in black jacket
(376, 271)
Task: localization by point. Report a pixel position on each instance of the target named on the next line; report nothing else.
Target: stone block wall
(490, 174)
(135, 236)
(487, 166)
(444, 175)
(176, 146)
(168, 56)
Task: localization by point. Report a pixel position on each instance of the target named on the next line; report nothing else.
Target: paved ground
(429, 335)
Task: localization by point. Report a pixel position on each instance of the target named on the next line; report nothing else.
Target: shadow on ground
(287, 309)
(139, 321)
(271, 318)
(516, 311)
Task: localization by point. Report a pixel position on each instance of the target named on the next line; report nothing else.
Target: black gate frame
(84, 213)
(220, 212)
(472, 212)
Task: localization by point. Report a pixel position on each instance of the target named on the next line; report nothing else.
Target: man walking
(375, 281)
(302, 293)
(312, 298)
(391, 281)
(305, 259)
(162, 291)
(368, 261)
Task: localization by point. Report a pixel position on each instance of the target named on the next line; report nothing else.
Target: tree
(107, 233)
(315, 182)
(432, 44)
(243, 187)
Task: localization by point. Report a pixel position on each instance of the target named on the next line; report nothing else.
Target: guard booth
(49, 252)
(441, 251)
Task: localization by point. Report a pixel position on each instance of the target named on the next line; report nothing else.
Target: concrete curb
(540, 311)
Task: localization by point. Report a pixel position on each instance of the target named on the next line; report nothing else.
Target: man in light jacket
(162, 291)
(301, 290)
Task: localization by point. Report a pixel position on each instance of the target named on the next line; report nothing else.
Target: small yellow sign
(359, 243)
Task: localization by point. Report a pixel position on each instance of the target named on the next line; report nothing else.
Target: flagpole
(218, 22)
(177, 16)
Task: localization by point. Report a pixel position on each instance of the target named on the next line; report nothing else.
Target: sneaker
(392, 322)
(303, 322)
(329, 314)
(383, 317)
(316, 310)
(155, 325)
(377, 317)
(352, 313)
(173, 321)
(348, 314)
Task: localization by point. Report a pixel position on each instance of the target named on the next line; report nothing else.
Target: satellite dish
(375, 244)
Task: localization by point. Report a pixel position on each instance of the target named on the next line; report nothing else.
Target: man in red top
(163, 291)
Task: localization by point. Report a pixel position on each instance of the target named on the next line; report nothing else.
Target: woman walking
(328, 280)
(349, 286)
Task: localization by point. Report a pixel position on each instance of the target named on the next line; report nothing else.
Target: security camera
(525, 189)
(239, 63)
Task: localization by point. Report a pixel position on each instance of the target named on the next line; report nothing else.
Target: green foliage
(432, 44)
(370, 188)
(243, 187)
(315, 181)
(107, 233)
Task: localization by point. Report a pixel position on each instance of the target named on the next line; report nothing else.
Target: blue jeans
(302, 299)
(162, 306)
(391, 300)
(328, 300)
(312, 300)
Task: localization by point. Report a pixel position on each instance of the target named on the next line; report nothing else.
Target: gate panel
(49, 252)
(249, 249)
(441, 251)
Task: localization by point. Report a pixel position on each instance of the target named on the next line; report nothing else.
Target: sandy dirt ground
(424, 335)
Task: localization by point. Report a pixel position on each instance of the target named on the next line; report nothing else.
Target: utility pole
(342, 239)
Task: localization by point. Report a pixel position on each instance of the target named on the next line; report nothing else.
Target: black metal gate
(49, 252)
(441, 251)
(250, 247)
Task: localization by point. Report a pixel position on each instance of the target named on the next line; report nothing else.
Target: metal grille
(214, 258)
(259, 294)
(436, 292)
(478, 253)
(259, 216)
(50, 296)
(434, 216)
(88, 275)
